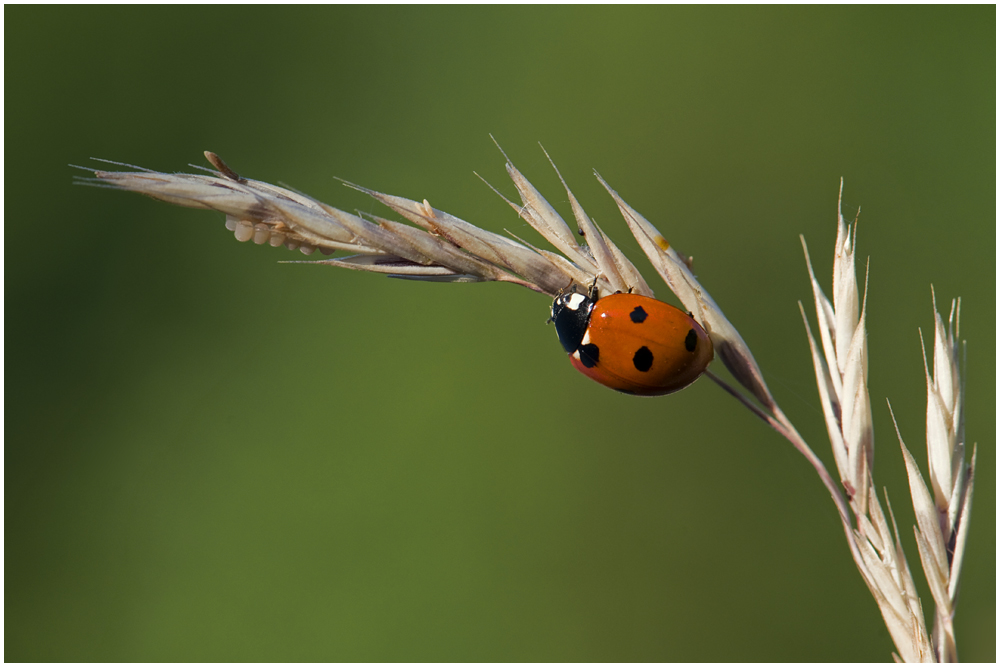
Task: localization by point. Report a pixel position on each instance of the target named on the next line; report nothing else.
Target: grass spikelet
(942, 515)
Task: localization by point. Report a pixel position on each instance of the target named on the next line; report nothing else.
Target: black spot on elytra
(589, 355)
(638, 315)
(643, 359)
(691, 341)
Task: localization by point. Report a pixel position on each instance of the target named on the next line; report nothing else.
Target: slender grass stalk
(440, 247)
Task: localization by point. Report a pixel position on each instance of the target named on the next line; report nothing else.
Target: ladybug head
(571, 315)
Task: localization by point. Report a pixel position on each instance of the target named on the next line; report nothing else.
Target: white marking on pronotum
(586, 338)
(573, 301)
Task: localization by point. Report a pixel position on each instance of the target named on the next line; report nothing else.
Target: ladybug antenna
(571, 287)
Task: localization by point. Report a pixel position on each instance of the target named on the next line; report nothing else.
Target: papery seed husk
(627, 269)
(826, 322)
(962, 528)
(925, 510)
(845, 288)
(932, 572)
(831, 408)
(546, 220)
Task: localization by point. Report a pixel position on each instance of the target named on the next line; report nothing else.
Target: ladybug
(634, 344)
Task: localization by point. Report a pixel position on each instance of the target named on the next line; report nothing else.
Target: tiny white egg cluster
(276, 234)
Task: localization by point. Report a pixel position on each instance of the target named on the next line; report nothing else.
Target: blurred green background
(212, 456)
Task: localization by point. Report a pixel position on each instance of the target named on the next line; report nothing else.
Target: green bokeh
(211, 456)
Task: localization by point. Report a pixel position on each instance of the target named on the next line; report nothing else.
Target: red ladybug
(631, 343)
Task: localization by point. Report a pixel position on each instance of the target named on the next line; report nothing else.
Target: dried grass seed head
(842, 373)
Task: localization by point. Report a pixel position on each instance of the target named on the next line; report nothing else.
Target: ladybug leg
(592, 292)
